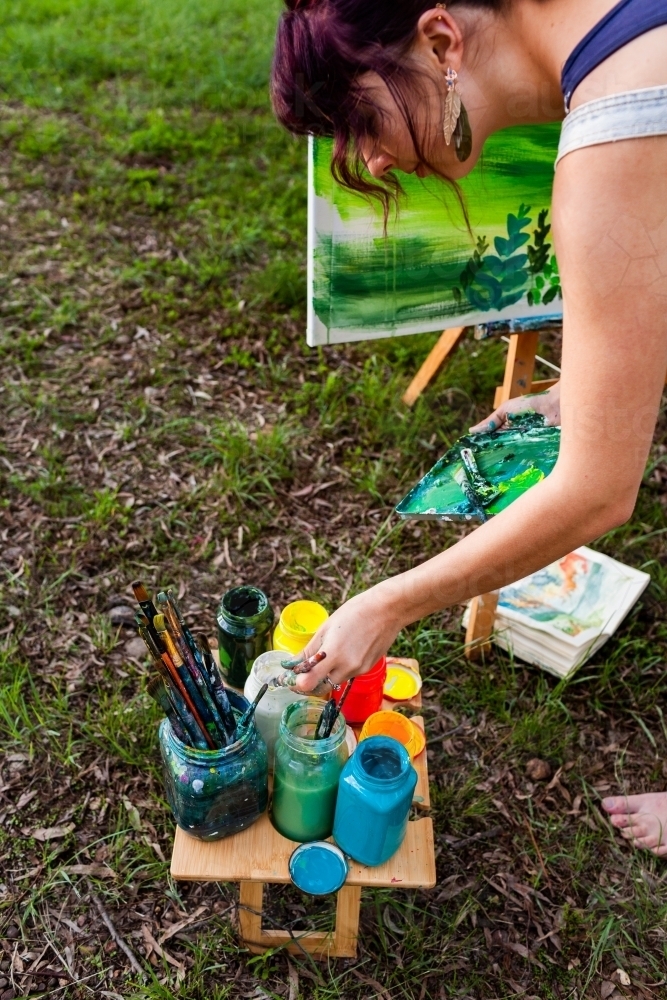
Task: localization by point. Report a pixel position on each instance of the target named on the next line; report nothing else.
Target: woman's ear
(440, 39)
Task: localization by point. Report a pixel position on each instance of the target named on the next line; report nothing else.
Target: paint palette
(508, 462)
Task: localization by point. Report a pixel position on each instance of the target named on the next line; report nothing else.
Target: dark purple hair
(322, 48)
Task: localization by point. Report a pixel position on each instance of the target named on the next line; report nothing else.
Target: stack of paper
(560, 616)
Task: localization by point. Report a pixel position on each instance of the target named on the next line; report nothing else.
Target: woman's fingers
(491, 423)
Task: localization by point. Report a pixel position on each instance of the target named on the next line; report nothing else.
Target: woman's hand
(354, 638)
(547, 403)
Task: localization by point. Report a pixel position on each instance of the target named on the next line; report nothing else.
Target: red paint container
(366, 695)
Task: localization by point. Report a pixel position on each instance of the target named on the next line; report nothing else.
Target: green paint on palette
(510, 460)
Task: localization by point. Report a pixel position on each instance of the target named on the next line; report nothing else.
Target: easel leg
(445, 346)
(519, 369)
(480, 625)
(347, 921)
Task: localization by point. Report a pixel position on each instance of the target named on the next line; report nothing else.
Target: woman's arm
(610, 228)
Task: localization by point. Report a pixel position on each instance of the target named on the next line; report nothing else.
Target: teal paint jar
(245, 621)
(216, 793)
(374, 798)
(306, 773)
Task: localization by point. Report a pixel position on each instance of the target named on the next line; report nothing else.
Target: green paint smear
(511, 460)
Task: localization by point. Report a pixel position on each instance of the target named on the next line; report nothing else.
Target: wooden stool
(260, 855)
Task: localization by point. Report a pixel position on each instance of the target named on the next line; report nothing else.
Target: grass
(160, 411)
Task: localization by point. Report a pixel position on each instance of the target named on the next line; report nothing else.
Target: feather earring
(456, 124)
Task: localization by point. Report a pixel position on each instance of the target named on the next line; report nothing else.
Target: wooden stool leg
(251, 895)
(436, 358)
(347, 921)
(480, 625)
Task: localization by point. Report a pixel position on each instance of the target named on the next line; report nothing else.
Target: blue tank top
(626, 21)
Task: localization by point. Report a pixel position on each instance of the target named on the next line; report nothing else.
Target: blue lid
(318, 868)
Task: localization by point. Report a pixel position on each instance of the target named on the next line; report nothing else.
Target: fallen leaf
(293, 979)
(26, 798)
(175, 928)
(44, 834)
(607, 989)
(133, 814)
(97, 871)
(623, 977)
(152, 945)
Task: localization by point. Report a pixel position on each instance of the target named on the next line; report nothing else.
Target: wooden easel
(260, 855)
(518, 381)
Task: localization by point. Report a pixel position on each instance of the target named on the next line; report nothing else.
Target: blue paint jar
(374, 798)
(216, 793)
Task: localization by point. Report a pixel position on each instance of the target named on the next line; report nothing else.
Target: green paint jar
(216, 793)
(245, 620)
(306, 774)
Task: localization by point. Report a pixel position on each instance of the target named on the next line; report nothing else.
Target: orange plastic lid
(420, 740)
(398, 727)
(401, 683)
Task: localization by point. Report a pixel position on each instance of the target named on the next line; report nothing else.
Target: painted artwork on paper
(429, 272)
(483, 474)
(572, 595)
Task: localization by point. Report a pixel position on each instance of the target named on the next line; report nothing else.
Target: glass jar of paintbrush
(215, 761)
(216, 793)
(307, 770)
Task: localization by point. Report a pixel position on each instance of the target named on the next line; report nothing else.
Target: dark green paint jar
(245, 622)
(216, 793)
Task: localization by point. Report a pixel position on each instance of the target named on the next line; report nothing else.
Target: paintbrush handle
(188, 720)
(218, 688)
(215, 724)
(249, 712)
(304, 666)
(339, 707)
(178, 677)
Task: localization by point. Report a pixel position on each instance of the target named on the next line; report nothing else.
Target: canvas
(429, 273)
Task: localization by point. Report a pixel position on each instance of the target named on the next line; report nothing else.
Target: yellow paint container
(298, 624)
(398, 727)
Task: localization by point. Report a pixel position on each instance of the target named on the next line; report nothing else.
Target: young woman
(417, 87)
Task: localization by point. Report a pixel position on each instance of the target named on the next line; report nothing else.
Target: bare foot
(642, 819)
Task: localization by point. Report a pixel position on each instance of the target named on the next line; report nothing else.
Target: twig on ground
(482, 835)
(538, 852)
(122, 944)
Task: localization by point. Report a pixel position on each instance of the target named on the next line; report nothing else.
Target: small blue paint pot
(374, 797)
(216, 793)
(318, 868)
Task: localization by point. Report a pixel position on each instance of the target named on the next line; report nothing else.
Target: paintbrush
(217, 686)
(250, 711)
(176, 632)
(325, 721)
(298, 666)
(185, 715)
(147, 606)
(188, 720)
(185, 684)
(189, 638)
(303, 666)
(484, 490)
(325, 725)
(158, 692)
(461, 477)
